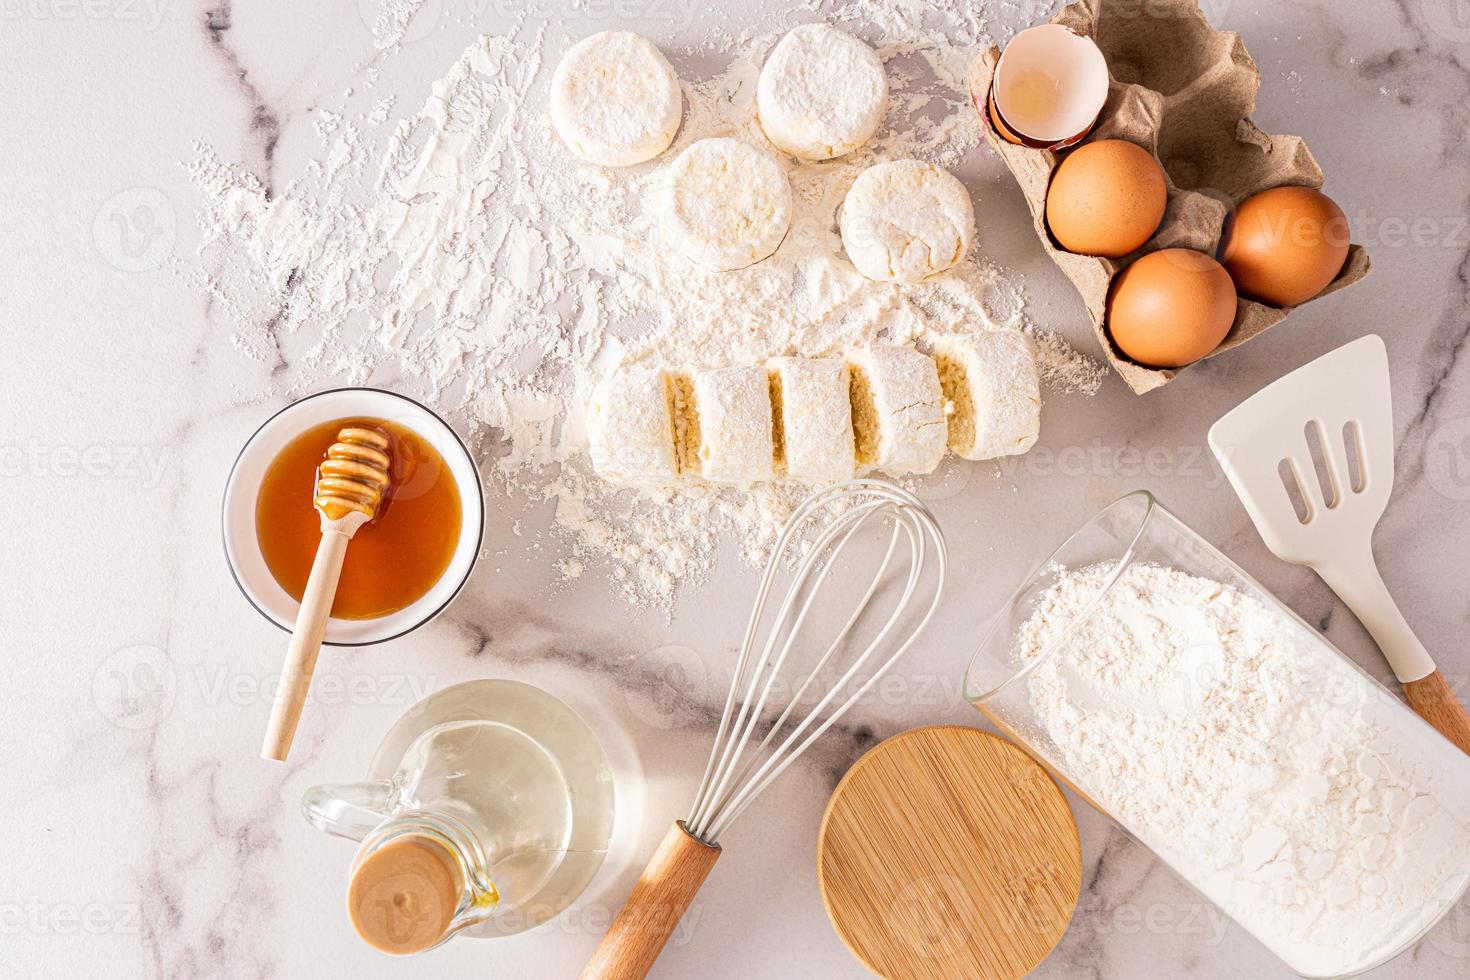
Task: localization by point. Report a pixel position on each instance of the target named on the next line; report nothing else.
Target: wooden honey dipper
(350, 484)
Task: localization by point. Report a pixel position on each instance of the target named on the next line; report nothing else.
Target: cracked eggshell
(1050, 84)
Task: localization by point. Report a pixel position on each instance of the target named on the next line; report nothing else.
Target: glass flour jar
(1178, 696)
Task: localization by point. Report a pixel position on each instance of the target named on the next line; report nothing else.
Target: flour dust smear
(463, 255)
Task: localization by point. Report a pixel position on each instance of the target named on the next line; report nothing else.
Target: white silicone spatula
(1319, 508)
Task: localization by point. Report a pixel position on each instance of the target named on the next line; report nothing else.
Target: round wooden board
(948, 852)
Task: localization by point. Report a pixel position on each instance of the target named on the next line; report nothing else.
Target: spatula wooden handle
(1434, 701)
(306, 644)
(1357, 580)
(659, 900)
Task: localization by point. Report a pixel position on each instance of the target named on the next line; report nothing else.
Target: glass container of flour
(1181, 698)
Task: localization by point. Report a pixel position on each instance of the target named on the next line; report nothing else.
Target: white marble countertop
(157, 844)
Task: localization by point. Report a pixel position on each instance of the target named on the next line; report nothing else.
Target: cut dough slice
(897, 410)
(813, 418)
(615, 100)
(906, 221)
(726, 204)
(630, 427)
(990, 377)
(822, 93)
(733, 425)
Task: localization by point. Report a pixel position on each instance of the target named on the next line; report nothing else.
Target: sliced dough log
(814, 418)
(897, 410)
(888, 409)
(990, 378)
(734, 427)
(630, 427)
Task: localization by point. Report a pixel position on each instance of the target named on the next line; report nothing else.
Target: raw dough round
(615, 100)
(726, 204)
(822, 93)
(906, 221)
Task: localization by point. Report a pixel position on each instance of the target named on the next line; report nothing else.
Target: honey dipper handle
(1434, 700)
(306, 643)
(659, 900)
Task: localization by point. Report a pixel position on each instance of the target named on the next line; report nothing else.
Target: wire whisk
(741, 766)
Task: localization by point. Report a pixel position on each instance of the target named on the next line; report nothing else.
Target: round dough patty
(615, 99)
(906, 221)
(726, 204)
(822, 93)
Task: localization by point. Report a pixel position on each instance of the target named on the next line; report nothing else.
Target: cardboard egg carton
(1184, 92)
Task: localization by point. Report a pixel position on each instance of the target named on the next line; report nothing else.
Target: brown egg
(1107, 198)
(1285, 245)
(1170, 308)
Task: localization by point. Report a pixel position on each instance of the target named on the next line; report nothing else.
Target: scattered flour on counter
(391, 24)
(467, 258)
(1285, 785)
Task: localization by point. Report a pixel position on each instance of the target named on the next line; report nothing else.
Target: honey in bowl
(395, 558)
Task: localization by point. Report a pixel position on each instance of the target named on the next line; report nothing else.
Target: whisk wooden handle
(1434, 700)
(306, 644)
(659, 900)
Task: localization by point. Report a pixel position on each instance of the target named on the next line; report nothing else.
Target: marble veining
(265, 123)
(153, 842)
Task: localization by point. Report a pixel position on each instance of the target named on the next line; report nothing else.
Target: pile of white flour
(463, 256)
(1287, 787)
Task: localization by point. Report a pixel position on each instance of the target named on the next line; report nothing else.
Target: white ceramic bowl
(237, 518)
